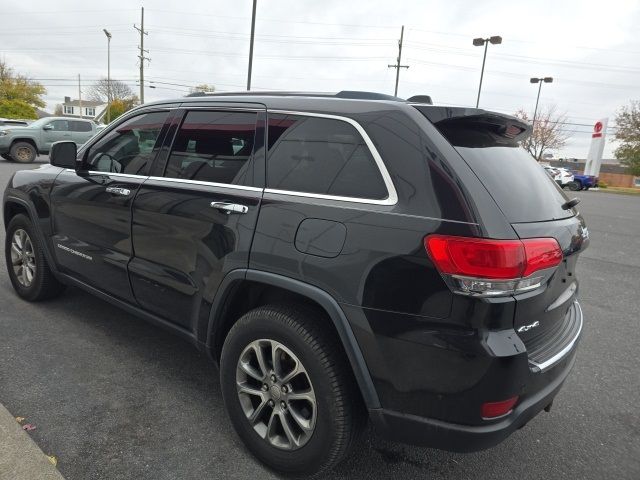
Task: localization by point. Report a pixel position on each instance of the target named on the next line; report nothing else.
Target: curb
(20, 457)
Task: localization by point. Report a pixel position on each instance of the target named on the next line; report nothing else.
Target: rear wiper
(570, 203)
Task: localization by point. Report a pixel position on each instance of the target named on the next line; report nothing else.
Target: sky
(590, 48)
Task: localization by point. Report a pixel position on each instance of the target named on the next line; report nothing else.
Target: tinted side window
(76, 126)
(213, 147)
(60, 125)
(322, 156)
(130, 147)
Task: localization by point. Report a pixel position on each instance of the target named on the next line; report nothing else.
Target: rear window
(519, 185)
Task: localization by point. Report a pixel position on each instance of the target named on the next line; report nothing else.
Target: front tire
(23, 152)
(289, 390)
(28, 269)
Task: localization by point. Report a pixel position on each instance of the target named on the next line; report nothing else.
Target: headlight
(4, 132)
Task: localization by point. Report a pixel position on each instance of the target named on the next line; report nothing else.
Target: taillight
(480, 266)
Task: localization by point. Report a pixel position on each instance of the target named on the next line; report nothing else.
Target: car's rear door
(81, 131)
(194, 219)
(91, 218)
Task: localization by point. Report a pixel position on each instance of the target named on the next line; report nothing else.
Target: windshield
(40, 123)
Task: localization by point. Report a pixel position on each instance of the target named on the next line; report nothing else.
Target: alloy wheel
(23, 259)
(276, 394)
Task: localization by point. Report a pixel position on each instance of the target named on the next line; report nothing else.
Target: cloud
(591, 50)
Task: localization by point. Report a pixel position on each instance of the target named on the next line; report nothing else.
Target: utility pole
(108, 34)
(80, 96)
(142, 52)
(253, 29)
(398, 65)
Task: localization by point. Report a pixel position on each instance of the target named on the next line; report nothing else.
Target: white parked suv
(562, 176)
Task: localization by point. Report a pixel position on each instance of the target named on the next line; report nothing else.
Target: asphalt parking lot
(115, 398)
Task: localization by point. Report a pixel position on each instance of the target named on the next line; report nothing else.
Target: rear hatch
(547, 319)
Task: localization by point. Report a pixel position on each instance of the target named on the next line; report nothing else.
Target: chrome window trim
(205, 184)
(111, 174)
(392, 195)
(561, 354)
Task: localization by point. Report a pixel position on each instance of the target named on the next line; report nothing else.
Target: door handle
(230, 208)
(123, 192)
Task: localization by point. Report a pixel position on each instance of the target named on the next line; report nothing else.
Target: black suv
(340, 259)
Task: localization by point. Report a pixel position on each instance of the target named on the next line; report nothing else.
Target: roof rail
(350, 94)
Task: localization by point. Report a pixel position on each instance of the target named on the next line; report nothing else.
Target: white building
(90, 109)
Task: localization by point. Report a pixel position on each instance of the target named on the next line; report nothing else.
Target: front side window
(213, 146)
(130, 147)
(321, 156)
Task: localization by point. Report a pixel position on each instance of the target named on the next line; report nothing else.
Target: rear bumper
(454, 437)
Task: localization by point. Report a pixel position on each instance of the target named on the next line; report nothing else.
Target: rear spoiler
(473, 127)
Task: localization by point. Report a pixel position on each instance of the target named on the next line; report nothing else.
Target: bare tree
(549, 131)
(98, 92)
(58, 110)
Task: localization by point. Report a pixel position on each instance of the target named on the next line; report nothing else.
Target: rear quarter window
(321, 156)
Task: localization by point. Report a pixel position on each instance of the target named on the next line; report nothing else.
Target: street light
(540, 81)
(478, 42)
(106, 32)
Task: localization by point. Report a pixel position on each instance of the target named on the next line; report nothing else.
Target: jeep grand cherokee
(340, 259)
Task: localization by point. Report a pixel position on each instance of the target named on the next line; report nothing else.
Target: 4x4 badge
(526, 328)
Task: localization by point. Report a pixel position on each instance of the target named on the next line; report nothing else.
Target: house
(90, 109)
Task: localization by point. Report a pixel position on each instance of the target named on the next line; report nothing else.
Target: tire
(574, 186)
(32, 279)
(7, 157)
(23, 152)
(336, 418)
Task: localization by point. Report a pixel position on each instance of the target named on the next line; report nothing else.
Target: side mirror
(48, 126)
(63, 154)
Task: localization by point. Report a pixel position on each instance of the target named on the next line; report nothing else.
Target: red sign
(597, 130)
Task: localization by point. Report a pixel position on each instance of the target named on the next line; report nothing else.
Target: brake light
(491, 410)
(492, 267)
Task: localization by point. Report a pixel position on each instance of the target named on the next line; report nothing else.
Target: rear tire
(28, 269)
(23, 152)
(299, 437)
(574, 186)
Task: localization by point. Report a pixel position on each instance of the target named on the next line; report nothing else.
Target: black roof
(345, 102)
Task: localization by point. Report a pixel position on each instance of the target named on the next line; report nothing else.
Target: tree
(628, 134)
(58, 110)
(19, 96)
(548, 132)
(98, 92)
(120, 106)
(203, 87)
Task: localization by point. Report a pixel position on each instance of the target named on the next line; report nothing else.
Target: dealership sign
(594, 157)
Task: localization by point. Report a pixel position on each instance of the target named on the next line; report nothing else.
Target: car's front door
(92, 208)
(54, 131)
(194, 222)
